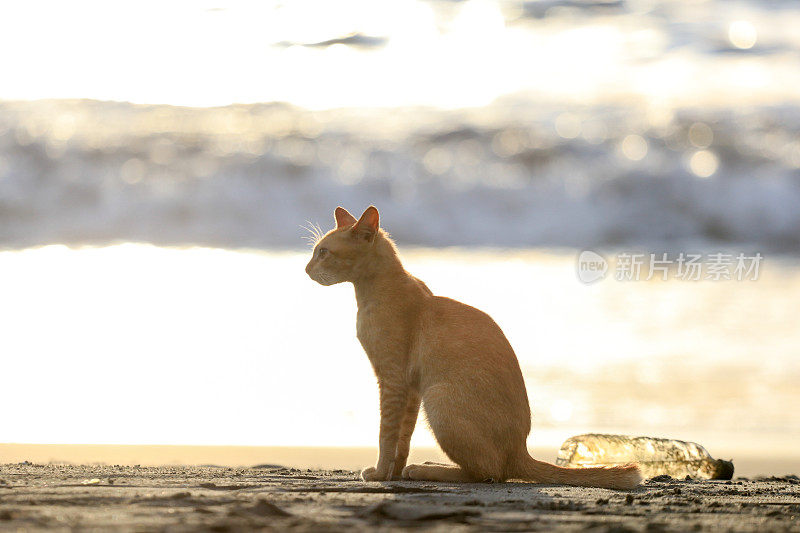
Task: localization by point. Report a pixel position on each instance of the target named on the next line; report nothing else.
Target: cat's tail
(607, 477)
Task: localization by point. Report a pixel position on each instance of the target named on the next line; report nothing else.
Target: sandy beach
(209, 498)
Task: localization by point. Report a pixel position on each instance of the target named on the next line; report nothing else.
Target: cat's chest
(378, 330)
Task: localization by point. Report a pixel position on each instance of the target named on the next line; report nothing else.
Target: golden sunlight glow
(561, 410)
(400, 53)
(141, 345)
(129, 318)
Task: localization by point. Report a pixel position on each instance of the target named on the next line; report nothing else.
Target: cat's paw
(371, 474)
(410, 470)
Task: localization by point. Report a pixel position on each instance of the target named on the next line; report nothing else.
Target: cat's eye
(322, 252)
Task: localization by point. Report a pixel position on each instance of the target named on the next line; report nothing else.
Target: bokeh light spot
(508, 143)
(794, 155)
(437, 161)
(64, 127)
(568, 125)
(634, 147)
(742, 34)
(132, 171)
(701, 135)
(704, 163)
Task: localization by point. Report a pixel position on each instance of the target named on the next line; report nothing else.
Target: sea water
(136, 344)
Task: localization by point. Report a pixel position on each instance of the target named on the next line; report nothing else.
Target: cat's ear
(343, 218)
(367, 226)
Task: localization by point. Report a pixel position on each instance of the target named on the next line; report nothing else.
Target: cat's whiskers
(315, 231)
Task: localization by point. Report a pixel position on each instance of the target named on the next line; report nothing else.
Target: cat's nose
(308, 268)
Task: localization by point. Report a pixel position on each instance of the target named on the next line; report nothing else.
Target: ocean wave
(514, 174)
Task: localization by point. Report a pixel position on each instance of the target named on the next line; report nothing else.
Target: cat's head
(343, 253)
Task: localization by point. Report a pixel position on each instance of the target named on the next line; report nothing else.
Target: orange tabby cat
(448, 355)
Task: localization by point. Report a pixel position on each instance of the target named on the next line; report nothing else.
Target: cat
(450, 357)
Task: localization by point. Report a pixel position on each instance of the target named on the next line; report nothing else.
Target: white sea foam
(513, 175)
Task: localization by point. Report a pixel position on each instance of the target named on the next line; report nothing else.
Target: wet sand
(212, 498)
(313, 457)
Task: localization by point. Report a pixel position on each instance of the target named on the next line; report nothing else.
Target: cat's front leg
(406, 430)
(393, 398)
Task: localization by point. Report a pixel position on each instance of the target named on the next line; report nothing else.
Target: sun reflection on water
(395, 53)
(137, 344)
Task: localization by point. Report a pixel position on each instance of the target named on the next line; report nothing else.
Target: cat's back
(443, 310)
(445, 320)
